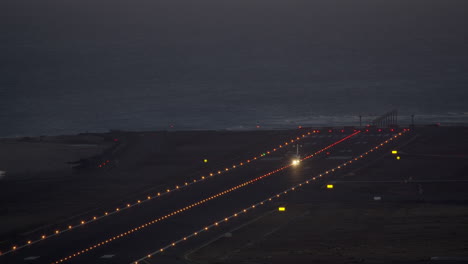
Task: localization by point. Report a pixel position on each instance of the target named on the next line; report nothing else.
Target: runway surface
(134, 233)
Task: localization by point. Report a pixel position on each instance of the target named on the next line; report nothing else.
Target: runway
(134, 233)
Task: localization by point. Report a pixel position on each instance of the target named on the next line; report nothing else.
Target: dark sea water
(69, 66)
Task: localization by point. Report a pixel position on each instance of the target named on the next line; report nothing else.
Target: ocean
(71, 66)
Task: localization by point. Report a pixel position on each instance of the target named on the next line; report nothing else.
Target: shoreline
(231, 129)
(447, 119)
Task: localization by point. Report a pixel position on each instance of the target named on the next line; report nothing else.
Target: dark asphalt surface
(138, 244)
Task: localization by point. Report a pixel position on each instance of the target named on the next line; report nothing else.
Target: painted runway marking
(272, 158)
(32, 258)
(107, 256)
(340, 157)
(345, 150)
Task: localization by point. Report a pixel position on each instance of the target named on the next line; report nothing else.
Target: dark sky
(327, 56)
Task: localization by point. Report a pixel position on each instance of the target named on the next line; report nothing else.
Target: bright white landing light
(296, 162)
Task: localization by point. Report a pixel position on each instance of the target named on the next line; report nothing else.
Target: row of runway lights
(177, 187)
(104, 242)
(269, 199)
(167, 191)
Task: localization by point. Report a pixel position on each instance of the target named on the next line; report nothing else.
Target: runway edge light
(281, 208)
(394, 152)
(330, 186)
